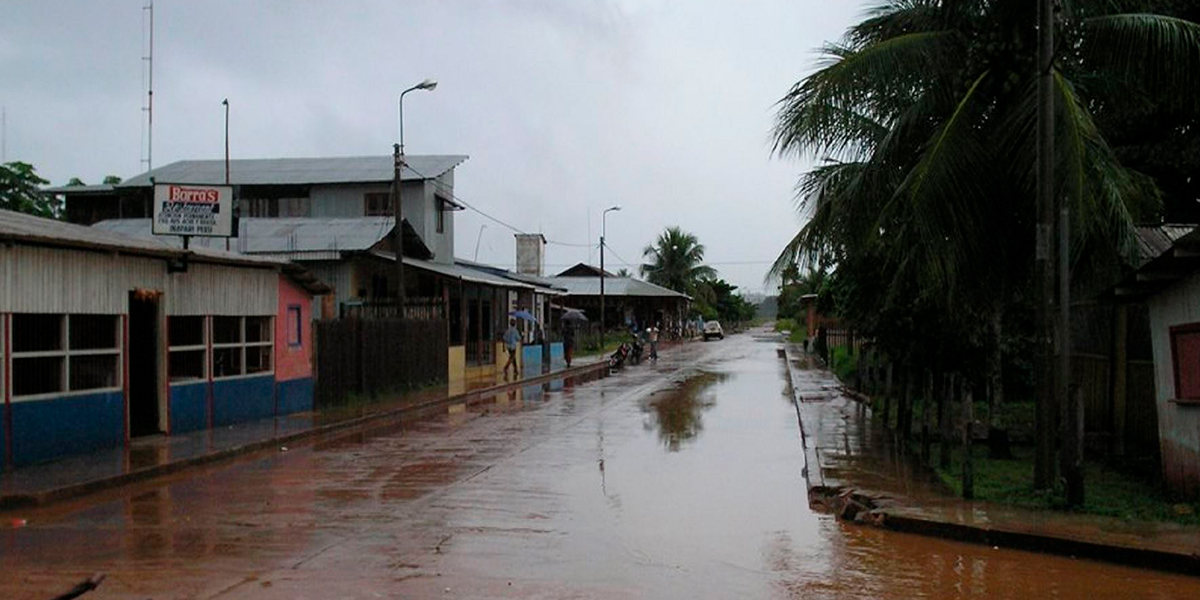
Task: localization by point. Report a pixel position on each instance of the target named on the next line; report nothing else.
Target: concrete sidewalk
(156, 456)
(849, 456)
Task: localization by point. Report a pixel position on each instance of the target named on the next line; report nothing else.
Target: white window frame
(66, 353)
(244, 346)
(202, 347)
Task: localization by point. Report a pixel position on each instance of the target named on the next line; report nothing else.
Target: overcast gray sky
(564, 106)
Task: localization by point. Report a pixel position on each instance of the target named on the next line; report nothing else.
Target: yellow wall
(457, 371)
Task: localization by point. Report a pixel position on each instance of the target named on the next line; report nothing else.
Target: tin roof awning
(1178, 257)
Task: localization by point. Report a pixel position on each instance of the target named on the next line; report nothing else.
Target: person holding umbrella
(569, 319)
(512, 338)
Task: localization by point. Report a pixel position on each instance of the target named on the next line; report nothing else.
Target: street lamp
(398, 165)
(603, 233)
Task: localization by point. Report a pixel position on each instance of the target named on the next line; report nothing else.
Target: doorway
(143, 364)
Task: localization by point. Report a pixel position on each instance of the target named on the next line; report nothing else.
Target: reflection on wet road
(675, 480)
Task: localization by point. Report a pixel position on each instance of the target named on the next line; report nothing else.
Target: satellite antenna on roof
(148, 79)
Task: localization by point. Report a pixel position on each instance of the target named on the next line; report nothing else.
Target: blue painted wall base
(531, 361)
(47, 429)
(189, 407)
(243, 399)
(294, 396)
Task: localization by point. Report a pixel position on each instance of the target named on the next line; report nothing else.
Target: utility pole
(3, 134)
(398, 213)
(1049, 330)
(398, 230)
(149, 58)
(603, 233)
(225, 102)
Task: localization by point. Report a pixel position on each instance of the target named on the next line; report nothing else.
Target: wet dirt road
(676, 480)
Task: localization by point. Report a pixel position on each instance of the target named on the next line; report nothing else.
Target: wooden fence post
(945, 401)
(926, 414)
(1072, 448)
(906, 403)
(968, 458)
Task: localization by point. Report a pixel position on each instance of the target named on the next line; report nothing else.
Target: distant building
(627, 300)
(107, 338)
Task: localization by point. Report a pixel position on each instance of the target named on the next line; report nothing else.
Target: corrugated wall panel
(53, 280)
(222, 290)
(6, 283)
(56, 280)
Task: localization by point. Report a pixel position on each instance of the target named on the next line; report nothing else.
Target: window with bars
(442, 206)
(55, 354)
(187, 347)
(1185, 362)
(295, 337)
(241, 346)
(378, 204)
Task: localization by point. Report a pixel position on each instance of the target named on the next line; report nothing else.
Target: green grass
(1107, 491)
(843, 363)
(785, 324)
(797, 336)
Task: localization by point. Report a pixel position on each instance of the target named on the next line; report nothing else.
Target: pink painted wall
(292, 361)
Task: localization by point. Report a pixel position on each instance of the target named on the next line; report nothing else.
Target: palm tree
(676, 261)
(924, 116)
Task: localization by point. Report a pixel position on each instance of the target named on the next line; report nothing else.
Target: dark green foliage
(923, 116)
(676, 261)
(19, 185)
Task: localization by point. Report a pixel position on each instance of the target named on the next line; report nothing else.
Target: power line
(459, 199)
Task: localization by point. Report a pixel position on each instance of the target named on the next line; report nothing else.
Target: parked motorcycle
(617, 359)
(636, 349)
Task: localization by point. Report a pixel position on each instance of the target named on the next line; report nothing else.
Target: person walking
(652, 335)
(568, 336)
(512, 339)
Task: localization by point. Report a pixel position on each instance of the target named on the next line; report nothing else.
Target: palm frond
(1153, 52)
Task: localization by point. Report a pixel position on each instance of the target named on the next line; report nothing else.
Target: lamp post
(603, 233)
(398, 164)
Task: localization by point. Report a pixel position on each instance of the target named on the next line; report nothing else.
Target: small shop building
(1168, 283)
(106, 338)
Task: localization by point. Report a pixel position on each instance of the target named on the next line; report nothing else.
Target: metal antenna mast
(148, 58)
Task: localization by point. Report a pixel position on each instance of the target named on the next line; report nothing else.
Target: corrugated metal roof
(278, 236)
(456, 272)
(543, 284)
(31, 229)
(1153, 240)
(1168, 254)
(613, 286)
(79, 189)
(297, 171)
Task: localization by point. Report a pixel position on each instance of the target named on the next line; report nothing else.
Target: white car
(712, 329)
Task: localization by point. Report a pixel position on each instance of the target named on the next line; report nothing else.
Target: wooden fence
(375, 356)
(1092, 372)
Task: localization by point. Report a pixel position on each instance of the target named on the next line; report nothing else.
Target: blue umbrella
(523, 314)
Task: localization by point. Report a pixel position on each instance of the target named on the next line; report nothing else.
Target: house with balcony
(334, 216)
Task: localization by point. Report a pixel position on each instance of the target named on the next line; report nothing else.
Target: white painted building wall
(1178, 425)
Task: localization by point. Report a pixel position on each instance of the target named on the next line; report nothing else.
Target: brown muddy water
(675, 480)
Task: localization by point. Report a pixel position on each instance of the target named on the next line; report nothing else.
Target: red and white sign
(200, 210)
